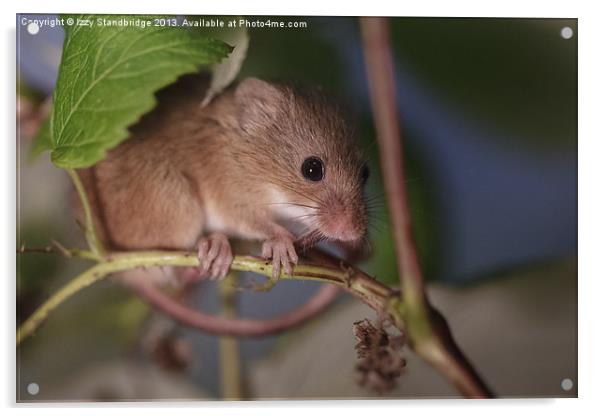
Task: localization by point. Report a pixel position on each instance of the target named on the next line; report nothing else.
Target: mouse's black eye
(364, 174)
(313, 169)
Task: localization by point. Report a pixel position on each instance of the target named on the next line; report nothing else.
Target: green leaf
(107, 79)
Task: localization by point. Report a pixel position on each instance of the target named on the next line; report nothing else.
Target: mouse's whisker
(310, 215)
(310, 239)
(378, 214)
(375, 200)
(314, 198)
(377, 226)
(375, 195)
(293, 204)
(377, 221)
(365, 243)
(306, 229)
(305, 219)
(375, 210)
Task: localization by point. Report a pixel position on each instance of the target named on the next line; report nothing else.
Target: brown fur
(187, 170)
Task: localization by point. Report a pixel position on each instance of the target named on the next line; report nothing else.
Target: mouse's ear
(259, 103)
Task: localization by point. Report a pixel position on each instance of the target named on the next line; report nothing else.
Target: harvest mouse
(262, 161)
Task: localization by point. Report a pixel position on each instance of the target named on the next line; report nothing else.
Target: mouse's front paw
(215, 256)
(282, 253)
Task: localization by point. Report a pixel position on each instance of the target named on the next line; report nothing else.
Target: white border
(509, 8)
(590, 208)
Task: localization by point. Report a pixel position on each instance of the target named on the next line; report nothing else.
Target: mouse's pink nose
(342, 227)
(343, 218)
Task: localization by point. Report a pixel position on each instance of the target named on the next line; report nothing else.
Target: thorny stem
(377, 295)
(58, 248)
(427, 331)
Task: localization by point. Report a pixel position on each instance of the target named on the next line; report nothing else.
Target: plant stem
(91, 236)
(430, 337)
(82, 281)
(377, 295)
(229, 349)
(382, 87)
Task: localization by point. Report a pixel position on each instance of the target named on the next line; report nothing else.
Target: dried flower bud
(379, 360)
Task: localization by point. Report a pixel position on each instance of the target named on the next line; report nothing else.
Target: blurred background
(489, 117)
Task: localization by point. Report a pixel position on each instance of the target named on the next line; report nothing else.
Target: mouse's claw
(282, 253)
(215, 256)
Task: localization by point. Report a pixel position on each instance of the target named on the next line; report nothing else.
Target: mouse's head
(316, 172)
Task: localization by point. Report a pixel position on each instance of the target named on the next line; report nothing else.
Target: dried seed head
(379, 360)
